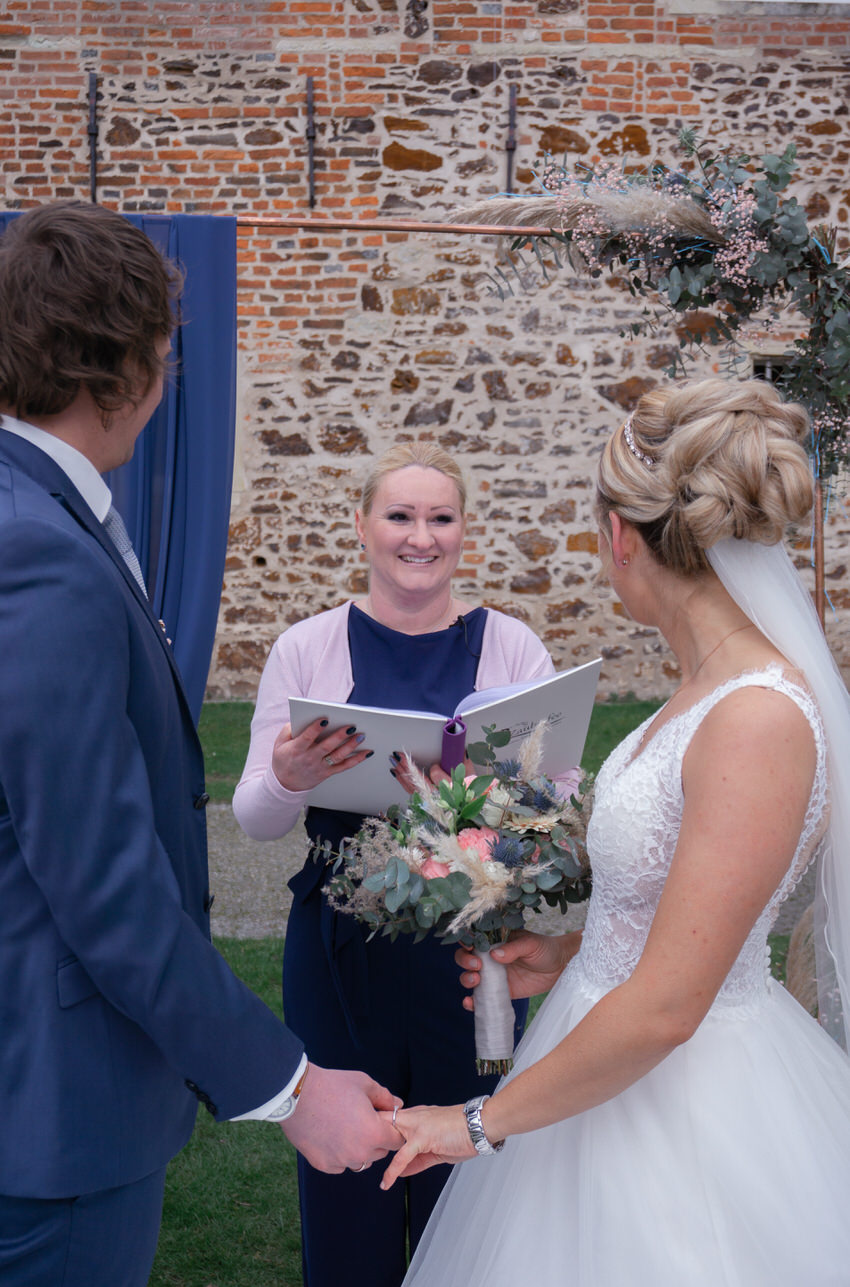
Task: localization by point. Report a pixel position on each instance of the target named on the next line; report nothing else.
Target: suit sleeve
(77, 782)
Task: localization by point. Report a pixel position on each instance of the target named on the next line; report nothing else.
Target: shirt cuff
(265, 1110)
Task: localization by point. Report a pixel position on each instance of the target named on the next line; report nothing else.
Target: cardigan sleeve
(309, 659)
(511, 653)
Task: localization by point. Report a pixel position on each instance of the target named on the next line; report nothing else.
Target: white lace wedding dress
(728, 1165)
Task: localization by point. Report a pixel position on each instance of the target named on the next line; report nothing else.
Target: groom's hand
(336, 1125)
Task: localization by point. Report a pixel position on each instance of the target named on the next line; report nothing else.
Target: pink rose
(431, 868)
(480, 840)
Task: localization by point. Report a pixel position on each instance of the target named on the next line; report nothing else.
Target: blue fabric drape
(174, 495)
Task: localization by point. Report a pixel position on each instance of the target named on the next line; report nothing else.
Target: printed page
(564, 701)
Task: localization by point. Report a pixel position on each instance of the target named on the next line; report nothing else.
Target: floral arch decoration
(715, 235)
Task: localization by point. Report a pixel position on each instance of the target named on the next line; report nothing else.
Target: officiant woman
(390, 1009)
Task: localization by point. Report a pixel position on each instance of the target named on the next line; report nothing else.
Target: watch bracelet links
(472, 1112)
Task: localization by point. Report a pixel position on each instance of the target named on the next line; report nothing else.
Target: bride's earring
(625, 561)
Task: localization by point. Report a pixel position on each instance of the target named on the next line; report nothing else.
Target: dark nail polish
(368, 753)
(323, 723)
(393, 773)
(397, 756)
(351, 730)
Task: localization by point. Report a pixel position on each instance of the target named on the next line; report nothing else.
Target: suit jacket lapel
(45, 473)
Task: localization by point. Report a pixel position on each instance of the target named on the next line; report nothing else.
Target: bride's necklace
(712, 651)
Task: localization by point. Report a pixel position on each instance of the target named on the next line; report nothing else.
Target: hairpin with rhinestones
(632, 445)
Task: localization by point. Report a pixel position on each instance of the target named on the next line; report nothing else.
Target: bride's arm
(746, 777)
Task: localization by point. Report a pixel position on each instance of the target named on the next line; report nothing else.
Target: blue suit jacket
(112, 999)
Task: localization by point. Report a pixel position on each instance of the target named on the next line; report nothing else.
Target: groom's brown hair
(85, 297)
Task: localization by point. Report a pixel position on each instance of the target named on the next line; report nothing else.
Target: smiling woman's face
(413, 532)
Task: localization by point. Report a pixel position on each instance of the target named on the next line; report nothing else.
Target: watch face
(284, 1110)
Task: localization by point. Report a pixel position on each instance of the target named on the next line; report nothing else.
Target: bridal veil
(765, 584)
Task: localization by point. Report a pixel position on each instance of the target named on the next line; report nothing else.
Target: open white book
(564, 701)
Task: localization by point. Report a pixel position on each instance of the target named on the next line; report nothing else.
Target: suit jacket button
(201, 801)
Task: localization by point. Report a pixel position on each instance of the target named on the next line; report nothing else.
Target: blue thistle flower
(507, 768)
(535, 798)
(509, 851)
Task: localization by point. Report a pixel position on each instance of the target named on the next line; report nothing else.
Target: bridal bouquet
(466, 860)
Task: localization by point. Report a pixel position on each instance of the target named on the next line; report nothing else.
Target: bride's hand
(431, 1136)
(534, 963)
(301, 762)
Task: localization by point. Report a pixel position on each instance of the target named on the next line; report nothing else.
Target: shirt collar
(78, 467)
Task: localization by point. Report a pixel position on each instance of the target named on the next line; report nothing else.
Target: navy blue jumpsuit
(392, 1010)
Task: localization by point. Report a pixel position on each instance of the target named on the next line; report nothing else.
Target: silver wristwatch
(472, 1109)
(289, 1105)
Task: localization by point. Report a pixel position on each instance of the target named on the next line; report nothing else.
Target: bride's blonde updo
(696, 463)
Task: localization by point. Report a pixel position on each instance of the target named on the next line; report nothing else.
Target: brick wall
(350, 341)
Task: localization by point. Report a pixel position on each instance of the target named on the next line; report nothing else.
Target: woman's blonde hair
(428, 455)
(699, 462)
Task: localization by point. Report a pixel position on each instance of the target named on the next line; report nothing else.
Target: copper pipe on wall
(820, 591)
(308, 223)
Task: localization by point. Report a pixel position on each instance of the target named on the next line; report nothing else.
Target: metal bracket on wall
(311, 143)
(92, 133)
(510, 144)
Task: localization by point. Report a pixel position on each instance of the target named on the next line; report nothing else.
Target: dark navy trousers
(105, 1239)
(394, 1011)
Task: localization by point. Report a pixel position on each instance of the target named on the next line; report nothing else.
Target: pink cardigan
(312, 659)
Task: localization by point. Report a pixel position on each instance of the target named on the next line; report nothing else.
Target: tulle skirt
(728, 1165)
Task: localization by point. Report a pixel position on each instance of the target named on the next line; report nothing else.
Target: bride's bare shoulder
(757, 728)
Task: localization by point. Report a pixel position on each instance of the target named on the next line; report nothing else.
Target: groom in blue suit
(117, 1016)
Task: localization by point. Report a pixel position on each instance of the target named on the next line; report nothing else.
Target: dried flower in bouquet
(467, 859)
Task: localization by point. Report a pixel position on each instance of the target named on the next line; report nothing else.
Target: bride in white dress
(674, 1117)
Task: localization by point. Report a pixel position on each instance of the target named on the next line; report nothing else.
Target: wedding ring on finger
(330, 761)
(395, 1114)
(358, 1169)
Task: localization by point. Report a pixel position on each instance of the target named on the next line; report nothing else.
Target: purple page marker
(454, 745)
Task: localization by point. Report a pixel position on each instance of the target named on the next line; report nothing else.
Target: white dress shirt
(78, 467)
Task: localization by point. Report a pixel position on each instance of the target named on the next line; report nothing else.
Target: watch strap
(289, 1105)
(472, 1110)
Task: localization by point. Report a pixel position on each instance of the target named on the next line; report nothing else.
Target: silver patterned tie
(114, 526)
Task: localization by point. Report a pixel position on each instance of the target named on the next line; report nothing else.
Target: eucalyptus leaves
(468, 858)
(717, 235)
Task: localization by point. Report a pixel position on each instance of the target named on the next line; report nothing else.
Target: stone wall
(351, 341)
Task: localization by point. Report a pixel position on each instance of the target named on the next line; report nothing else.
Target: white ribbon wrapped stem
(494, 1018)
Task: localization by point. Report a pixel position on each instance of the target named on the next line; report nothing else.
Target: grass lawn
(225, 731)
(231, 1204)
(231, 1199)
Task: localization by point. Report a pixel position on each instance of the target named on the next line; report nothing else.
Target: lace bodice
(632, 837)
